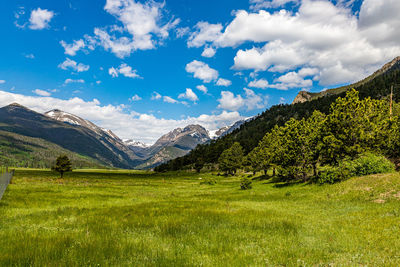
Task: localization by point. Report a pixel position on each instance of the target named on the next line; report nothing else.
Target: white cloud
(73, 65)
(308, 72)
(156, 96)
(40, 19)
(208, 52)
(229, 101)
(41, 92)
(71, 49)
(181, 32)
(67, 81)
(251, 100)
(204, 33)
(223, 82)
(98, 82)
(121, 47)
(124, 70)
(142, 127)
(291, 80)
(168, 99)
(262, 83)
(254, 101)
(142, 27)
(202, 88)
(263, 4)
(202, 71)
(30, 56)
(189, 94)
(343, 46)
(135, 98)
(2, 81)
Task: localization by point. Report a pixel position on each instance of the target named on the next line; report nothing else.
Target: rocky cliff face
(302, 97)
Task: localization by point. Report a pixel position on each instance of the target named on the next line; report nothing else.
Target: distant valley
(88, 144)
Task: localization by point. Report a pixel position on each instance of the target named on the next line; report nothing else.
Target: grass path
(142, 219)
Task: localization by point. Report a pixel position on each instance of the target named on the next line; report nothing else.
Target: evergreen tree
(354, 126)
(231, 159)
(63, 164)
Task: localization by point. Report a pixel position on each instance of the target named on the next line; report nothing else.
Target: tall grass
(145, 219)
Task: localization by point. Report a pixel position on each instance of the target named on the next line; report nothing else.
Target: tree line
(251, 133)
(300, 147)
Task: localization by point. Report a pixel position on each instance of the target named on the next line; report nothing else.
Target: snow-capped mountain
(132, 143)
(106, 137)
(227, 129)
(175, 144)
(72, 119)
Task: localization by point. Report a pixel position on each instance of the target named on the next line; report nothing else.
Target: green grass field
(103, 218)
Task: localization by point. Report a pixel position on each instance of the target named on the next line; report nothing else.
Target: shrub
(209, 181)
(365, 164)
(368, 163)
(331, 175)
(246, 183)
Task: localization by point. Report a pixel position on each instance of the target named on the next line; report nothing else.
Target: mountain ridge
(250, 133)
(304, 96)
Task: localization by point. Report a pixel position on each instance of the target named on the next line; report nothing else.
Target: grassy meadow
(131, 218)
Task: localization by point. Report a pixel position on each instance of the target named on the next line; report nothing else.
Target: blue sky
(142, 68)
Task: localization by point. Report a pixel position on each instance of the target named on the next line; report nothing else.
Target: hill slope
(304, 96)
(78, 139)
(174, 144)
(250, 133)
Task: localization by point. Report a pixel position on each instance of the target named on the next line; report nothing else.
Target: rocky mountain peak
(302, 96)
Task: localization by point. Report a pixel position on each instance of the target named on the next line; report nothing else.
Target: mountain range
(31, 139)
(85, 142)
(377, 86)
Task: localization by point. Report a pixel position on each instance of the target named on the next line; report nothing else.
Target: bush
(209, 181)
(368, 163)
(365, 164)
(331, 175)
(245, 183)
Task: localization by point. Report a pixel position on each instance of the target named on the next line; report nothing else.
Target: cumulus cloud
(229, 101)
(264, 4)
(261, 83)
(208, 52)
(223, 82)
(71, 49)
(291, 80)
(124, 70)
(170, 100)
(155, 96)
(202, 88)
(202, 71)
(343, 46)
(204, 33)
(135, 98)
(67, 81)
(40, 19)
(251, 100)
(143, 27)
(29, 56)
(41, 92)
(2, 81)
(141, 127)
(73, 65)
(189, 94)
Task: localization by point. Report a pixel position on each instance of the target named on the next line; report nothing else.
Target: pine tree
(63, 164)
(231, 159)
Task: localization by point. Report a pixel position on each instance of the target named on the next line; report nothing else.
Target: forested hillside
(250, 134)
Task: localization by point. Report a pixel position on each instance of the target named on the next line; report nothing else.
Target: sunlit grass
(130, 218)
